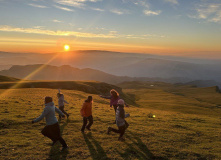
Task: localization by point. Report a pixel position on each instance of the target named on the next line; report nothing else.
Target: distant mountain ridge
(68, 73)
(124, 66)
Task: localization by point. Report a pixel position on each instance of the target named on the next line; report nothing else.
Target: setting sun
(66, 47)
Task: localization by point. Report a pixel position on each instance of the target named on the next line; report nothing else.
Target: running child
(52, 129)
(120, 120)
(86, 113)
(61, 102)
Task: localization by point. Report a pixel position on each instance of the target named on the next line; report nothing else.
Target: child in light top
(120, 120)
(61, 102)
(52, 129)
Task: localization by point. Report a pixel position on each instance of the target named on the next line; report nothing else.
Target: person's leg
(47, 132)
(115, 108)
(84, 124)
(57, 135)
(114, 130)
(90, 118)
(65, 112)
(122, 131)
(126, 125)
(62, 110)
(62, 141)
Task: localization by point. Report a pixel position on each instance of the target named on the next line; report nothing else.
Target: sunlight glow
(66, 47)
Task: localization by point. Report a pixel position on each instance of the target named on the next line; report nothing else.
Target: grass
(187, 125)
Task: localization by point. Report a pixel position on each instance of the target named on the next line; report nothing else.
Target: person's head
(59, 95)
(120, 102)
(48, 100)
(89, 99)
(114, 93)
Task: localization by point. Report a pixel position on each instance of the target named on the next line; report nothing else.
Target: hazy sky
(146, 26)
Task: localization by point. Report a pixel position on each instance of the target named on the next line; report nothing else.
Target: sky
(171, 27)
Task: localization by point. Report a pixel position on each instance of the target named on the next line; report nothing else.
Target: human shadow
(96, 151)
(138, 149)
(55, 153)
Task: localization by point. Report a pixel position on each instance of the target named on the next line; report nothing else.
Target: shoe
(64, 148)
(88, 129)
(108, 130)
(53, 143)
(121, 139)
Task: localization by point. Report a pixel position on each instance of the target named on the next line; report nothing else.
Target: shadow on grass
(96, 151)
(138, 149)
(55, 153)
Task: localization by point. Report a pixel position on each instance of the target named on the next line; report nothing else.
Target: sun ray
(16, 85)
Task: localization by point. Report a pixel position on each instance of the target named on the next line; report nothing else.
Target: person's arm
(83, 110)
(59, 111)
(44, 113)
(122, 113)
(106, 97)
(66, 102)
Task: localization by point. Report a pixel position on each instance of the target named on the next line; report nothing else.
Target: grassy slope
(7, 79)
(187, 126)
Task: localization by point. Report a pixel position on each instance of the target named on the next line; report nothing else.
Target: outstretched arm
(66, 102)
(59, 111)
(44, 113)
(106, 97)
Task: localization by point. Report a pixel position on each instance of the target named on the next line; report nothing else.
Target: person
(61, 102)
(52, 129)
(86, 113)
(120, 120)
(113, 99)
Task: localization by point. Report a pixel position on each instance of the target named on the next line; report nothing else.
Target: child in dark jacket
(52, 129)
(120, 120)
(86, 113)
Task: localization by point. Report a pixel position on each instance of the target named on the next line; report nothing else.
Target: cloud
(119, 11)
(116, 11)
(56, 21)
(74, 3)
(36, 5)
(57, 33)
(210, 12)
(98, 9)
(172, 1)
(64, 8)
(149, 12)
(110, 34)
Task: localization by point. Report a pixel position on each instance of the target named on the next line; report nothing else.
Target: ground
(187, 125)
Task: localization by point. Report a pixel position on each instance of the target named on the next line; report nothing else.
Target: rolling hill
(186, 124)
(7, 79)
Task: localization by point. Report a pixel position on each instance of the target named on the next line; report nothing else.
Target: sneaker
(53, 143)
(108, 130)
(64, 148)
(88, 129)
(121, 139)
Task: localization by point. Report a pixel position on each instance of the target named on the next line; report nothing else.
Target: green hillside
(186, 126)
(7, 79)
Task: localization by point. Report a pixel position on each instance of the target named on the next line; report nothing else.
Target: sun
(66, 47)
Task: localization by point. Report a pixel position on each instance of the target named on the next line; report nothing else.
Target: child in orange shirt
(86, 113)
